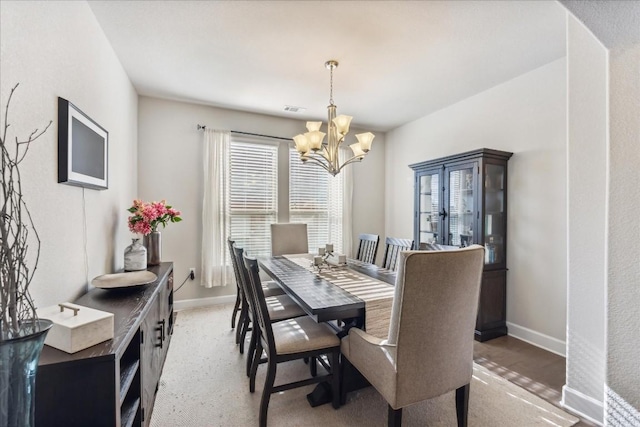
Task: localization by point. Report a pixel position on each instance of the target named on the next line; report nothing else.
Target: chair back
(234, 263)
(241, 275)
(433, 320)
(368, 248)
(287, 238)
(392, 249)
(261, 313)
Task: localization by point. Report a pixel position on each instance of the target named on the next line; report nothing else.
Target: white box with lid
(76, 327)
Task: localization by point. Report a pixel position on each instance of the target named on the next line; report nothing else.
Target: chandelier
(311, 147)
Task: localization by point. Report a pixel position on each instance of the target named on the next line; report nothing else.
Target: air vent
(294, 109)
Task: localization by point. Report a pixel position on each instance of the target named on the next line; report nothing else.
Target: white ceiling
(399, 60)
(616, 23)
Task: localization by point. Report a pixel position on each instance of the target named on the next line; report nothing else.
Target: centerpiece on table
(145, 219)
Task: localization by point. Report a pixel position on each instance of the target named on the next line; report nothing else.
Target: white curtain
(215, 270)
(347, 208)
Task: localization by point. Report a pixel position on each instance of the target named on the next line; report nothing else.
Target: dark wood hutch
(461, 200)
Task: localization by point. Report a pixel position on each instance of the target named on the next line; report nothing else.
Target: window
(253, 195)
(315, 198)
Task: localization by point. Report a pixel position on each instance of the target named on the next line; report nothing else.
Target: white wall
(623, 291)
(526, 116)
(58, 49)
(587, 199)
(170, 167)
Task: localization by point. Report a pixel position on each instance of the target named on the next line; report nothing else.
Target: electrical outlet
(192, 273)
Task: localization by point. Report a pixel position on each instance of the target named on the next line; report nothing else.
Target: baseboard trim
(582, 405)
(538, 339)
(202, 302)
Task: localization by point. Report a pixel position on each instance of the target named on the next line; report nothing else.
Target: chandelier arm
(325, 150)
(351, 160)
(323, 157)
(325, 166)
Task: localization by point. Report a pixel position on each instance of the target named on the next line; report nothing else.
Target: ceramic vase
(18, 366)
(153, 243)
(135, 256)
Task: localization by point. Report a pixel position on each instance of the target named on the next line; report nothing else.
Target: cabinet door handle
(160, 329)
(442, 213)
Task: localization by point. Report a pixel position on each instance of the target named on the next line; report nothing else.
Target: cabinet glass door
(462, 210)
(429, 200)
(494, 218)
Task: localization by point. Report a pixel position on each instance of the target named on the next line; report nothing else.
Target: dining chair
(429, 349)
(392, 249)
(289, 238)
(368, 248)
(271, 289)
(281, 307)
(287, 340)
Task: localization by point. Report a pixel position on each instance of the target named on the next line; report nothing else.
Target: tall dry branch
(20, 243)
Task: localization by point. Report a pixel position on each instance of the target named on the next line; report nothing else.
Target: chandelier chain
(331, 86)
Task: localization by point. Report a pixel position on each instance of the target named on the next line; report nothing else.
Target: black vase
(18, 366)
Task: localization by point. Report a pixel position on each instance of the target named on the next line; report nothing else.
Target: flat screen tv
(83, 149)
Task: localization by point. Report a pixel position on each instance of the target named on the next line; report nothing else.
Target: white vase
(135, 256)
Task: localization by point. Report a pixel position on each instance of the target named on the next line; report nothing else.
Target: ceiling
(616, 23)
(399, 60)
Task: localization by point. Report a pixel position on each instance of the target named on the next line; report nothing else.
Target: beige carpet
(204, 384)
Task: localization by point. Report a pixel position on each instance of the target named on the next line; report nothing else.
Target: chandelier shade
(312, 147)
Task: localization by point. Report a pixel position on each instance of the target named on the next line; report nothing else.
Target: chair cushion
(303, 334)
(271, 288)
(283, 307)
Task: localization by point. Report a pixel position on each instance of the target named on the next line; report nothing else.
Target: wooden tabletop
(319, 298)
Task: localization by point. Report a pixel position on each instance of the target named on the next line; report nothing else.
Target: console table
(113, 383)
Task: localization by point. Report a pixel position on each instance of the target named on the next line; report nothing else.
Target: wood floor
(532, 368)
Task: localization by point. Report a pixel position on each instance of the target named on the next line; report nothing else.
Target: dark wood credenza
(113, 383)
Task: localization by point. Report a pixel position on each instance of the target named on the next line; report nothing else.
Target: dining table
(355, 294)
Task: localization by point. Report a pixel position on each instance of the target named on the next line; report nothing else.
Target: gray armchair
(429, 349)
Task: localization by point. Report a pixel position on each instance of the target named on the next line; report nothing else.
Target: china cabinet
(462, 200)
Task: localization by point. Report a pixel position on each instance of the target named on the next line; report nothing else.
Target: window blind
(253, 195)
(315, 198)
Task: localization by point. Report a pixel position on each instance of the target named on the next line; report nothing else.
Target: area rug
(204, 384)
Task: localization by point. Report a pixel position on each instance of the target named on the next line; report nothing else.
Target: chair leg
(251, 353)
(394, 417)
(254, 367)
(241, 320)
(266, 392)
(335, 379)
(243, 335)
(462, 405)
(235, 309)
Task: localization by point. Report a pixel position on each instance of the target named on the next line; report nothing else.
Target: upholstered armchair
(429, 349)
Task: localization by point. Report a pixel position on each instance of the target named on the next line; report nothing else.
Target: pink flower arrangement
(147, 216)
